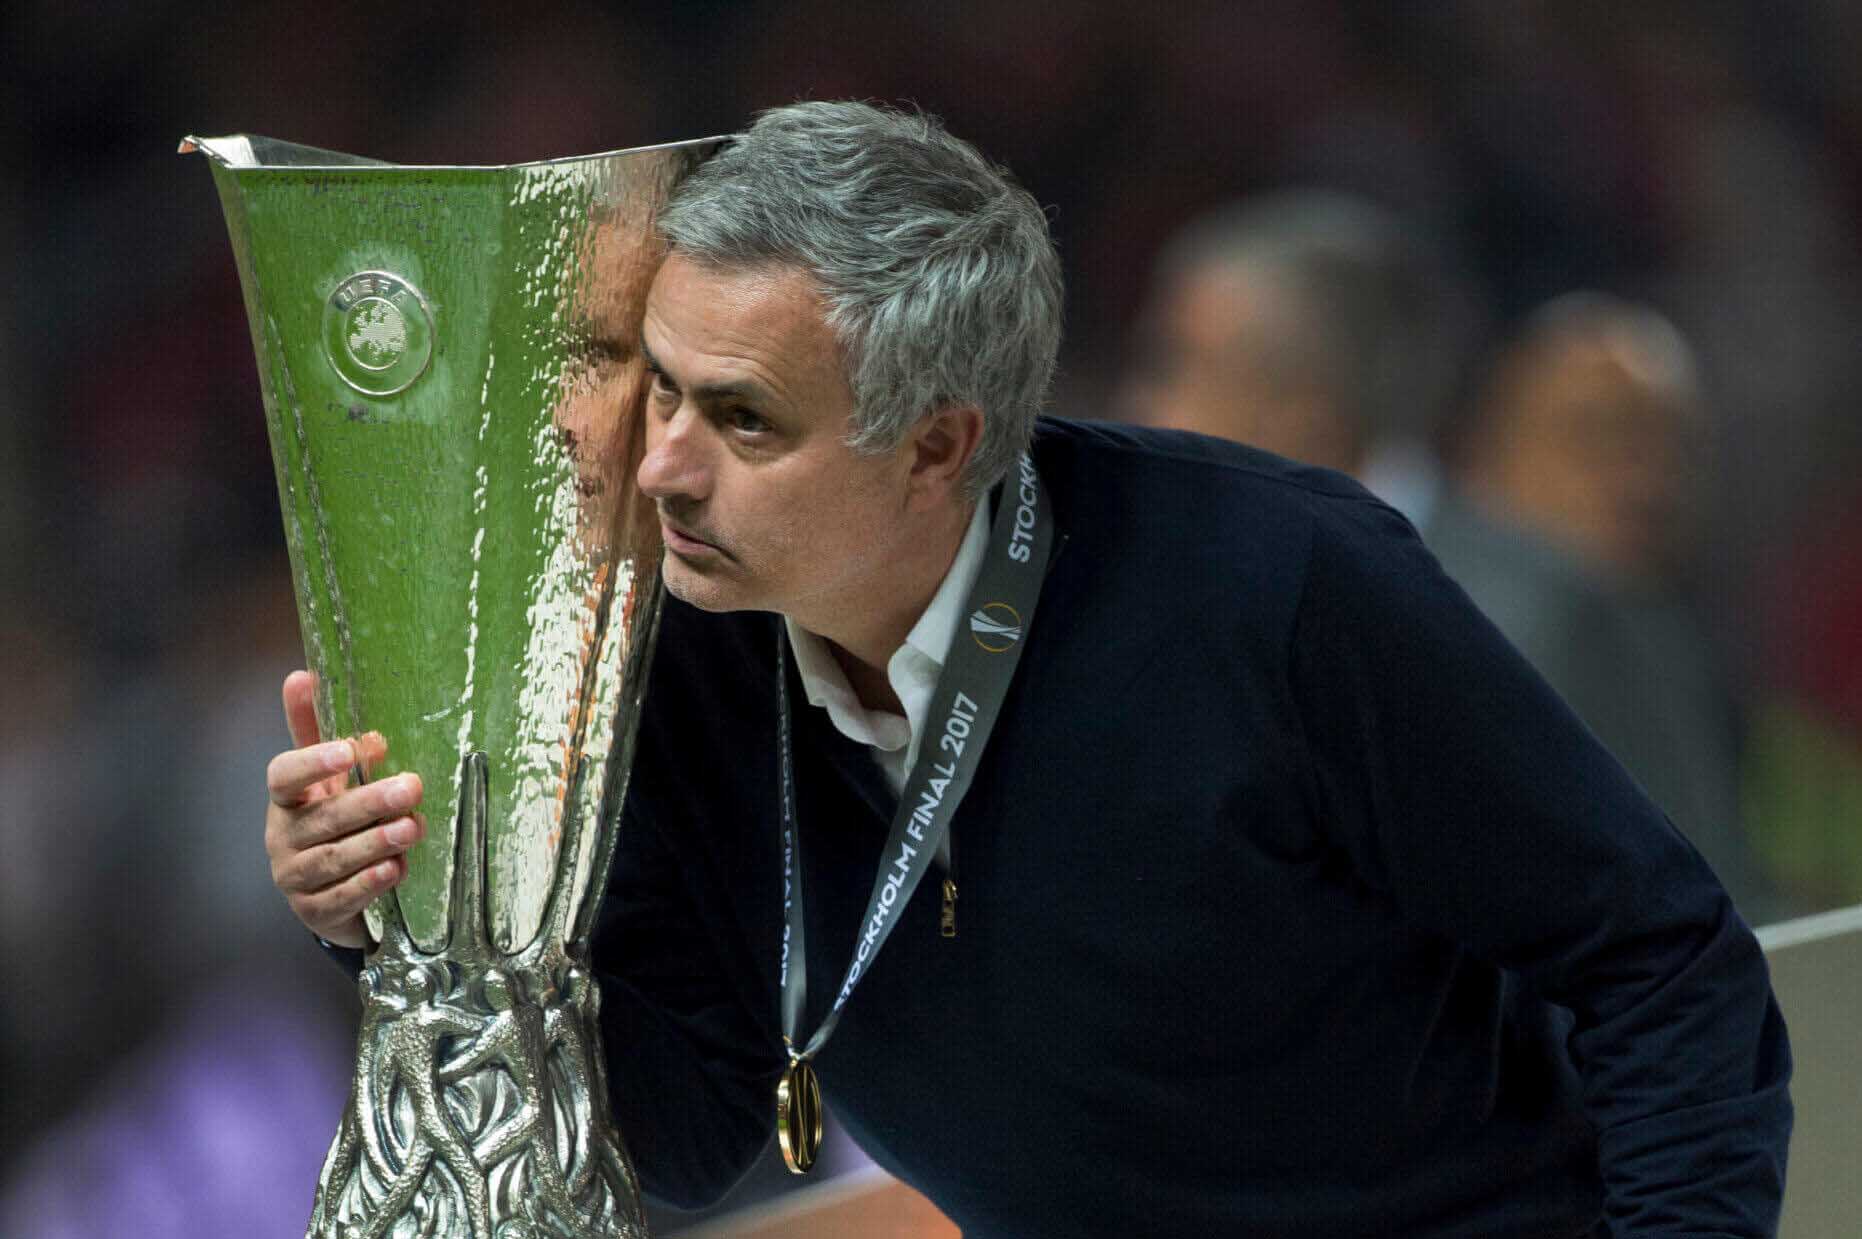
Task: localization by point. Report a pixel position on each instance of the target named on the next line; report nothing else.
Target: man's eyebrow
(745, 390)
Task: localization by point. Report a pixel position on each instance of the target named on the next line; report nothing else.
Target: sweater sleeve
(1464, 790)
(691, 1074)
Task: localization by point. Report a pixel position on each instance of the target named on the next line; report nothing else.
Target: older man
(1269, 892)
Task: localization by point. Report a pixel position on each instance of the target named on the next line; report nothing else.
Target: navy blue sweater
(1293, 903)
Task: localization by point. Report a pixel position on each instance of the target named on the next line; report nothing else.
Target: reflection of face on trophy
(598, 413)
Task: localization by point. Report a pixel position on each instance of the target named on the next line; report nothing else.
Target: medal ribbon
(969, 695)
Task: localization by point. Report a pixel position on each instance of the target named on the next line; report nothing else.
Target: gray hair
(941, 282)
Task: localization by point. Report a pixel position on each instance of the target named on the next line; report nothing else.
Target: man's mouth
(684, 543)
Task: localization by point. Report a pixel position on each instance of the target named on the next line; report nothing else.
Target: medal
(1005, 590)
(798, 1116)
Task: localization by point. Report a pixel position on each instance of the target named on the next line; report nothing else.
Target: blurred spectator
(1589, 432)
(1566, 526)
(1306, 323)
(1299, 324)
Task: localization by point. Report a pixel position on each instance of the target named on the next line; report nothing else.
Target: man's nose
(676, 464)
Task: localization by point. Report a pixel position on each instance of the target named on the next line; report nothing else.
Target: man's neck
(872, 685)
(865, 636)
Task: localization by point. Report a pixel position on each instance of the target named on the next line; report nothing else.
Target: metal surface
(454, 385)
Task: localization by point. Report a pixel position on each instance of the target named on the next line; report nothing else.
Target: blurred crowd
(1577, 287)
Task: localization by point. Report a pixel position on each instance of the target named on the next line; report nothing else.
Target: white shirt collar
(912, 670)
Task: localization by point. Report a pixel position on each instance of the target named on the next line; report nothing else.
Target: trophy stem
(479, 1105)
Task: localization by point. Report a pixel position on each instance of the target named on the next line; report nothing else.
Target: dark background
(1705, 157)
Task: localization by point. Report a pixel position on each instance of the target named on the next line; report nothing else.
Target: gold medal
(798, 1116)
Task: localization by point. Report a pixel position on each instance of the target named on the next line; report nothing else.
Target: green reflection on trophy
(454, 387)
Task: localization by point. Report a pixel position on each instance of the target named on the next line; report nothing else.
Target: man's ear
(941, 446)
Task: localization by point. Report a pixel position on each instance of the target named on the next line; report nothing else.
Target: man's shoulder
(1173, 485)
(1113, 454)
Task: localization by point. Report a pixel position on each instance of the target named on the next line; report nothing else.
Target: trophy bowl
(454, 388)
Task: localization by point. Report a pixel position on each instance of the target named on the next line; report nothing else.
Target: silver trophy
(455, 387)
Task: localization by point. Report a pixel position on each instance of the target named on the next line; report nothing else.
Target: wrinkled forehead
(696, 291)
(765, 321)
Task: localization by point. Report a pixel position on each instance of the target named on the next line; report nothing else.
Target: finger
(330, 864)
(340, 904)
(349, 811)
(352, 933)
(300, 709)
(291, 775)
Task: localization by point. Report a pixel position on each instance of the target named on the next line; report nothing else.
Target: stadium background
(1703, 157)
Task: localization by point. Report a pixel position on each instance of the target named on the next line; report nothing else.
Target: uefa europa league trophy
(454, 385)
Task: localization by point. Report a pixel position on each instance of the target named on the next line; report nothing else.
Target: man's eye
(746, 422)
(662, 386)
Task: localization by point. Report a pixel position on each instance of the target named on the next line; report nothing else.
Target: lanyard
(969, 695)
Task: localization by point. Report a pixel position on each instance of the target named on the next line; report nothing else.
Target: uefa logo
(996, 626)
(377, 333)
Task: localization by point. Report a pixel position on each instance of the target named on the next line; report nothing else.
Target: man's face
(1597, 451)
(762, 504)
(1216, 339)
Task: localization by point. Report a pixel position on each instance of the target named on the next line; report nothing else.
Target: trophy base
(478, 1109)
(479, 1105)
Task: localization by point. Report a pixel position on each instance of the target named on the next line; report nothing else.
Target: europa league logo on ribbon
(454, 387)
(996, 626)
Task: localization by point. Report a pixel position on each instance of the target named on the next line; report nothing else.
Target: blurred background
(1575, 285)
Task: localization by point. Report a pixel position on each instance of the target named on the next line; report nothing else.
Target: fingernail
(402, 833)
(400, 792)
(336, 755)
(383, 875)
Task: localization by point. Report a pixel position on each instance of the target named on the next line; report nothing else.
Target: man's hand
(334, 847)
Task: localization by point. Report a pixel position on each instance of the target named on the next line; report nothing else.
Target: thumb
(300, 709)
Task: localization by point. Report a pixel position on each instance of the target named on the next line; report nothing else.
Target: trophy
(454, 387)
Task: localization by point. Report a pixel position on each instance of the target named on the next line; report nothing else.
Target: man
(1588, 430)
(1566, 522)
(1268, 875)
(1311, 324)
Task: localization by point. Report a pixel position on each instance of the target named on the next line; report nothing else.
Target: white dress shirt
(912, 670)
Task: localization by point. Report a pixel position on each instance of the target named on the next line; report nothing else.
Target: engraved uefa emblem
(377, 333)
